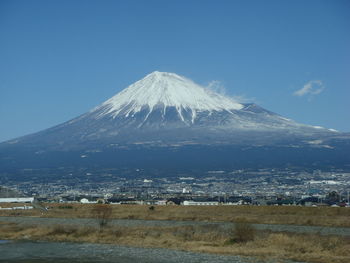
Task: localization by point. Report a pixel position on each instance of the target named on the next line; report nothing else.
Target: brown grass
(322, 216)
(202, 238)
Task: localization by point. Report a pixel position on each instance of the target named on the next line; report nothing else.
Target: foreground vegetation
(243, 240)
(295, 215)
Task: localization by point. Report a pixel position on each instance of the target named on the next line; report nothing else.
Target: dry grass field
(244, 240)
(201, 238)
(294, 215)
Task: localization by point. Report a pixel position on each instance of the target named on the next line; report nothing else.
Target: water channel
(64, 252)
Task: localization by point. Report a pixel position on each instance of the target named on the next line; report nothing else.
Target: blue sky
(59, 59)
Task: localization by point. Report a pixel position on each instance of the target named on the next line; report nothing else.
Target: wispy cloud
(244, 99)
(311, 88)
(218, 87)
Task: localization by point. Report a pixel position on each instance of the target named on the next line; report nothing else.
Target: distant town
(238, 187)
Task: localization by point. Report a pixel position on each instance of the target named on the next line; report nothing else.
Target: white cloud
(313, 87)
(243, 99)
(218, 87)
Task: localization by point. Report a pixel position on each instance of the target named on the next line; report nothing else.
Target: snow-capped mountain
(163, 97)
(165, 111)
(160, 90)
(167, 108)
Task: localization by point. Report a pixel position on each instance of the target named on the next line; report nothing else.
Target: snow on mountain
(168, 108)
(162, 89)
(165, 120)
(167, 101)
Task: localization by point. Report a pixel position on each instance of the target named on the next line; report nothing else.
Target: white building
(199, 203)
(17, 200)
(86, 201)
(16, 208)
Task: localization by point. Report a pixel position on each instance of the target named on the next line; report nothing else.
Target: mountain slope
(167, 108)
(164, 117)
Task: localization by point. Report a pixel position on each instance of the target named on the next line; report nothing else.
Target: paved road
(341, 231)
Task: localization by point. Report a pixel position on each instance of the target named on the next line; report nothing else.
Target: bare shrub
(185, 233)
(85, 231)
(63, 230)
(118, 232)
(243, 232)
(103, 214)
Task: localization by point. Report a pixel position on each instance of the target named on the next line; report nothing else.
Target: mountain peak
(163, 77)
(161, 74)
(164, 89)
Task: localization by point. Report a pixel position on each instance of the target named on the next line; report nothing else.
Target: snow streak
(162, 89)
